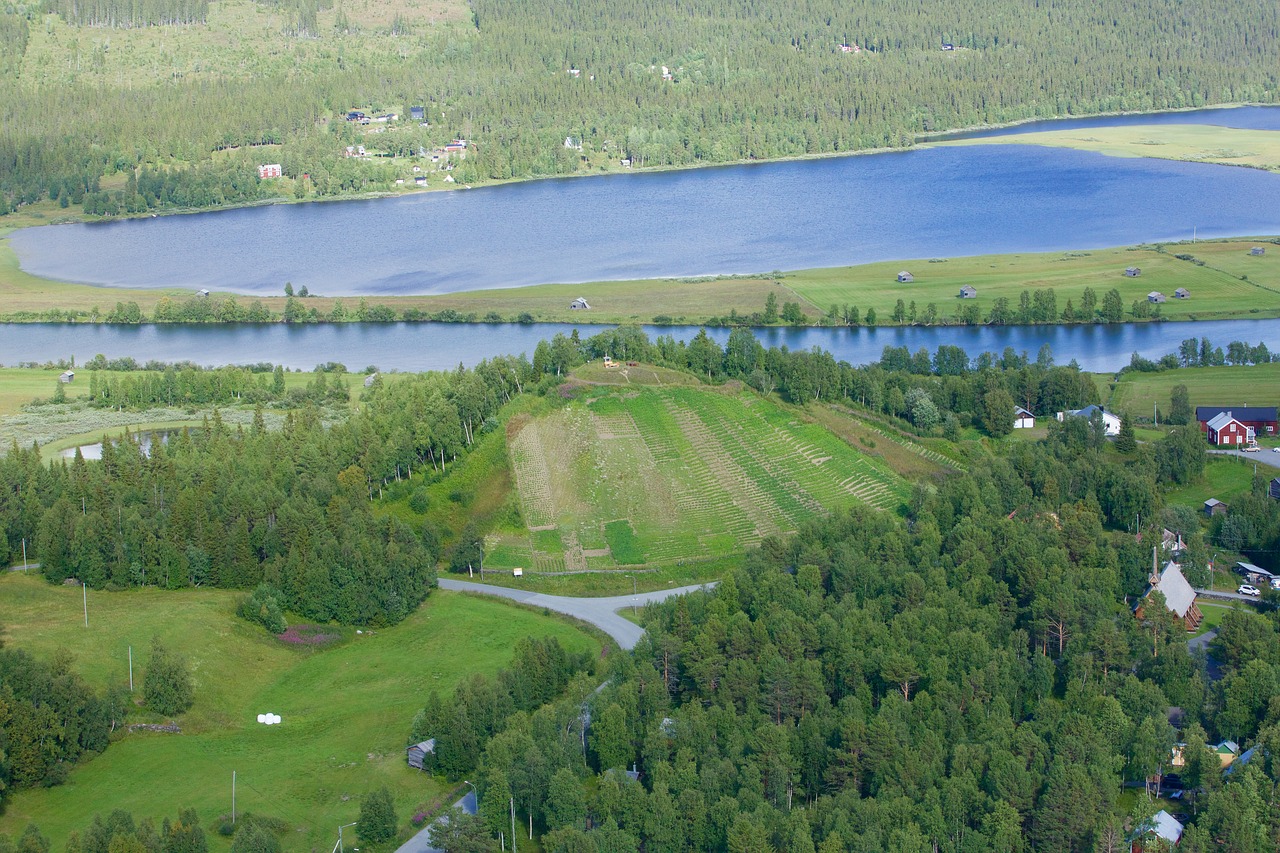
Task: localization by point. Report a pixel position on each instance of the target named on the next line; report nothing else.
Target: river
(940, 202)
(441, 346)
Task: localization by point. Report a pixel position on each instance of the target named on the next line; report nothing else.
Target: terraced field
(697, 473)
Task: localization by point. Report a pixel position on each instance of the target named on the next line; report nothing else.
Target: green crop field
(346, 708)
(664, 475)
(1217, 288)
(1251, 385)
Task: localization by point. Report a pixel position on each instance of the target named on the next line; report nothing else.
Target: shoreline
(927, 138)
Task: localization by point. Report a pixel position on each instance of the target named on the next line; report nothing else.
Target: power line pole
(513, 825)
(233, 798)
(131, 669)
(84, 587)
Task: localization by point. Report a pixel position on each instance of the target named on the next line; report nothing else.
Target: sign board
(517, 572)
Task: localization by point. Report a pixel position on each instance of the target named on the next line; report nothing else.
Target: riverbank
(1192, 143)
(1223, 279)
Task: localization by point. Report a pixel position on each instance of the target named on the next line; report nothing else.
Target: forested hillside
(969, 678)
(200, 93)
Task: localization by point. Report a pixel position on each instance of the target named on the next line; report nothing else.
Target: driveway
(1226, 595)
(601, 612)
(1266, 457)
(421, 843)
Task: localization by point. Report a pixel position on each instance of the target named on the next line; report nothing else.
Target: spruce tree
(1125, 441)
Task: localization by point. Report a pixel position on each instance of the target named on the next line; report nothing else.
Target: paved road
(421, 843)
(1266, 457)
(601, 612)
(1227, 595)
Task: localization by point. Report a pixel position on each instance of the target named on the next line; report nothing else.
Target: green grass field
(1252, 385)
(1196, 143)
(687, 473)
(346, 709)
(1224, 479)
(1217, 289)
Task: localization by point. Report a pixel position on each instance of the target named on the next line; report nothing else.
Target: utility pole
(131, 669)
(84, 587)
(340, 828)
(233, 798)
(24, 554)
(513, 825)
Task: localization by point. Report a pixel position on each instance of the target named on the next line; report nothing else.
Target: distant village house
(968, 292)
(579, 304)
(1132, 272)
(1182, 293)
(905, 276)
(1110, 422)
(417, 113)
(270, 170)
(417, 754)
(1213, 507)
(1155, 296)
(1226, 430)
(1022, 419)
(67, 377)
(1257, 250)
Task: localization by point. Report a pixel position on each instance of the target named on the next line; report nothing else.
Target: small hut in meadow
(418, 753)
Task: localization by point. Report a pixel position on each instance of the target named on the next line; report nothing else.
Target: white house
(1110, 422)
(1022, 419)
(1162, 825)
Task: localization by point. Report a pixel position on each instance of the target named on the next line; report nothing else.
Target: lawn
(1216, 288)
(1213, 614)
(1197, 143)
(346, 709)
(1224, 479)
(675, 474)
(1253, 385)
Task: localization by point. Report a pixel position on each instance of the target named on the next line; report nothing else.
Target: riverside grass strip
(689, 473)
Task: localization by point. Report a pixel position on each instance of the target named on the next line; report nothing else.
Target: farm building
(457, 146)
(1179, 597)
(579, 304)
(204, 291)
(1162, 832)
(270, 170)
(1261, 418)
(67, 377)
(1022, 419)
(1257, 250)
(1273, 488)
(905, 276)
(1155, 296)
(1213, 507)
(1132, 272)
(1226, 430)
(1182, 293)
(968, 292)
(1110, 422)
(417, 754)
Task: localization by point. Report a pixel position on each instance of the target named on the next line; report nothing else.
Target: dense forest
(758, 80)
(968, 678)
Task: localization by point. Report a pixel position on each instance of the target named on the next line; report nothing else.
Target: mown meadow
(346, 705)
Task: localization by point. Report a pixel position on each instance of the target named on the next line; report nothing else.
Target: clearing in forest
(659, 475)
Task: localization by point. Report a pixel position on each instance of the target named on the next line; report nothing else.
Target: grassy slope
(1216, 288)
(1198, 143)
(1254, 385)
(698, 473)
(346, 709)
(1223, 479)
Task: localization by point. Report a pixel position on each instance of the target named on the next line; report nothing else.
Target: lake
(442, 346)
(942, 202)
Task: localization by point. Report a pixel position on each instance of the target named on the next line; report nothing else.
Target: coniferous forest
(758, 80)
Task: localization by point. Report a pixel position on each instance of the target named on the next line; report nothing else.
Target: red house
(1261, 418)
(1226, 430)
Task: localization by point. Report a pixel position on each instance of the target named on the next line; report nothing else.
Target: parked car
(1252, 448)
(1248, 589)
(1275, 450)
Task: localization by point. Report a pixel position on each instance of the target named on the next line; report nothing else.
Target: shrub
(166, 688)
(263, 607)
(419, 501)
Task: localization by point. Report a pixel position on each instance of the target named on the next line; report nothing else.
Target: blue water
(442, 346)
(925, 203)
